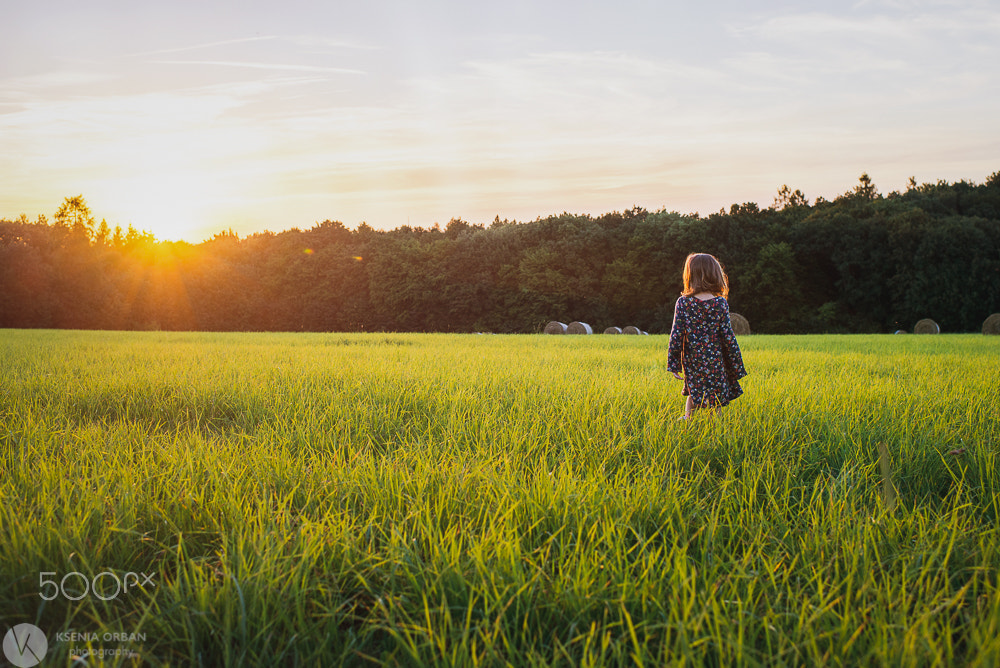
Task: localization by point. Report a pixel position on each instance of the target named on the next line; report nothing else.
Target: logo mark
(25, 645)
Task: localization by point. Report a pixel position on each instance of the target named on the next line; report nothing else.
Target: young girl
(702, 342)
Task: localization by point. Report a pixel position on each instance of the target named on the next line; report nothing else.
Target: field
(323, 499)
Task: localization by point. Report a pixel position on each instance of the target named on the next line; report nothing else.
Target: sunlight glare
(171, 205)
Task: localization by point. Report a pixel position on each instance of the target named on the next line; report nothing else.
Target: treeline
(864, 262)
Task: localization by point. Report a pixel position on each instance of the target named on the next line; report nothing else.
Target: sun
(173, 206)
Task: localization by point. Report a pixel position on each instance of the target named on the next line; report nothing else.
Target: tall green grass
(308, 499)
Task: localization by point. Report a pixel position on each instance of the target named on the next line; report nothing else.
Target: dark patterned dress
(703, 345)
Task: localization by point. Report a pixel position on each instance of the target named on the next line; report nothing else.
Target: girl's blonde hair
(703, 273)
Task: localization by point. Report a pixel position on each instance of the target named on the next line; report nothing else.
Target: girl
(702, 342)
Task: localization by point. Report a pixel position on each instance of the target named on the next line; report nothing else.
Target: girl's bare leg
(690, 407)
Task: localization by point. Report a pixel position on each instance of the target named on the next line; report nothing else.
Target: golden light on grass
(427, 484)
(888, 489)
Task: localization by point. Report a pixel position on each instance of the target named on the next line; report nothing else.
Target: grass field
(319, 499)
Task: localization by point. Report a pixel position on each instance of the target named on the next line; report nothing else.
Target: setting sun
(166, 206)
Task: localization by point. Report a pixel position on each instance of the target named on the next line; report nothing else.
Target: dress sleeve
(676, 347)
(734, 359)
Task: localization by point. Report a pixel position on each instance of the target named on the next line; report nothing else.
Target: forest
(863, 262)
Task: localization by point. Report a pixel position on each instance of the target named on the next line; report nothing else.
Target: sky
(188, 118)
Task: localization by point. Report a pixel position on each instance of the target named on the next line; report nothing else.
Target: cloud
(206, 45)
(262, 66)
(320, 44)
(914, 32)
(117, 135)
(54, 79)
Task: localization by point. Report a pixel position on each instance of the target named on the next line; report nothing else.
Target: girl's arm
(734, 359)
(676, 347)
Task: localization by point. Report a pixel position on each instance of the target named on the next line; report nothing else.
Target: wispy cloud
(206, 45)
(55, 79)
(918, 31)
(262, 66)
(308, 43)
(316, 43)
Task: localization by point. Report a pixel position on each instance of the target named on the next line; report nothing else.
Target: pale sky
(186, 118)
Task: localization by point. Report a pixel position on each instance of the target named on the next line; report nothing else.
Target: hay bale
(555, 327)
(741, 325)
(613, 330)
(926, 326)
(579, 328)
(645, 333)
(901, 331)
(992, 324)
(631, 330)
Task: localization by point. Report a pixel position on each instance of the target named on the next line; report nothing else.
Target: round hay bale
(992, 324)
(740, 324)
(631, 330)
(901, 331)
(579, 328)
(613, 330)
(926, 326)
(645, 333)
(555, 327)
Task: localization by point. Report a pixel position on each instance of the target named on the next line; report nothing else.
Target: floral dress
(703, 344)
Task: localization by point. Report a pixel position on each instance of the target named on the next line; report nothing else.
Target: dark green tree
(74, 214)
